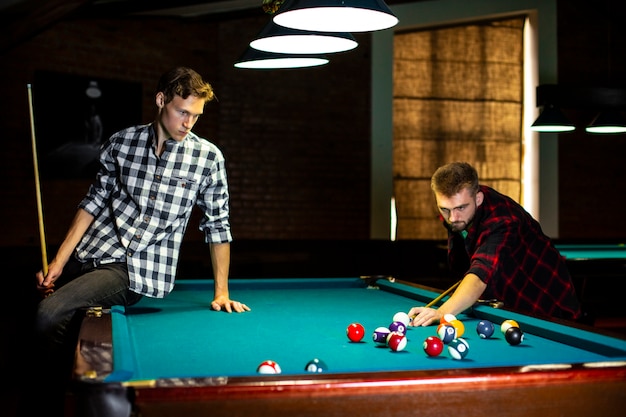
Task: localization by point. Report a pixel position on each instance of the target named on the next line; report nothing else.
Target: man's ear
(479, 198)
(160, 100)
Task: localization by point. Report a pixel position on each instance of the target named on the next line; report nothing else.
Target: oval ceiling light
(280, 39)
(335, 15)
(255, 59)
(607, 122)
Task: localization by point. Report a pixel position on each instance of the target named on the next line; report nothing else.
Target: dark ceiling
(22, 19)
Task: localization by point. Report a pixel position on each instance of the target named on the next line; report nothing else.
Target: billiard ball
(433, 346)
(447, 318)
(459, 326)
(397, 326)
(268, 367)
(380, 335)
(446, 332)
(355, 332)
(458, 348)
(402, 317)
(514, 336)
(506, 324)
(396, 341)
(485, 329)
(316, 366)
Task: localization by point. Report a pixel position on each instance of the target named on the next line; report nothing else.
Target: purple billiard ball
(380, 335)
(398, 327)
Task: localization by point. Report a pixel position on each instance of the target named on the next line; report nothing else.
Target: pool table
(176, 357)
(588, 252)
(596, 268)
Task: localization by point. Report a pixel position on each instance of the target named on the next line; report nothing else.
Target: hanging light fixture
(255, 59)
(552, 120)
(280, 39)
(335, 15)
(606, 102)
(607, 122)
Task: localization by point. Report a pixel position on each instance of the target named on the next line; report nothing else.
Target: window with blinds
(457, 96)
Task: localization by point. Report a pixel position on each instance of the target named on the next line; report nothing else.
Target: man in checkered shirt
(124, 241)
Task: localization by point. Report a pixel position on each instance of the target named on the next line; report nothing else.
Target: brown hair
(452, 178)
(182, 81)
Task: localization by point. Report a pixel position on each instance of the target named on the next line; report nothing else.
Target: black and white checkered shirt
(142, 204)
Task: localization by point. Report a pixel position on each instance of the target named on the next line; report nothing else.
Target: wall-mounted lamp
(255, 59)
(335, 15)
(607, 103)
(279, 39)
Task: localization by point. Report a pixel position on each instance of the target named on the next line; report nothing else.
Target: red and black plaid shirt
(506, 248)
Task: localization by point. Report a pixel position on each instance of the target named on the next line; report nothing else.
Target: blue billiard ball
(485, 329)
(446, 332)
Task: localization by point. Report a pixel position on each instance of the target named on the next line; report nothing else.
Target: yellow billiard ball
(506, 324)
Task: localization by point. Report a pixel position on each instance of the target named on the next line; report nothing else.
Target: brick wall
(296, 141)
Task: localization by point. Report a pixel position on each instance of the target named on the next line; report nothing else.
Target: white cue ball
(402, 317)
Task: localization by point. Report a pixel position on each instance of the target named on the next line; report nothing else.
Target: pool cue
(42, 234)
(443, 294)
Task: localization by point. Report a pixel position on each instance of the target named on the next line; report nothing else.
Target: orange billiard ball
(459, 326)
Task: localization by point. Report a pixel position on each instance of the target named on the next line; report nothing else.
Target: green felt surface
(295, 320)
(591, 252)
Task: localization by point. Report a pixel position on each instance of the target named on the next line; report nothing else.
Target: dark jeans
(58, 319)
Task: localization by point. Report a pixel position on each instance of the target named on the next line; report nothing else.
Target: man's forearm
(220, 260)
(81, 222)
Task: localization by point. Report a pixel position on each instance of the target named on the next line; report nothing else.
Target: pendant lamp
(280, 39)
(335, 15)
(255, 59)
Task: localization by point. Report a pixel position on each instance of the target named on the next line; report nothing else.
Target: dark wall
(296, 141)
(592, 173)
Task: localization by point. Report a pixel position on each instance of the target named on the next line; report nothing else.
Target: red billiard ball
(396, 341)
(355, 332)
(433, 346)
(268, 367)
